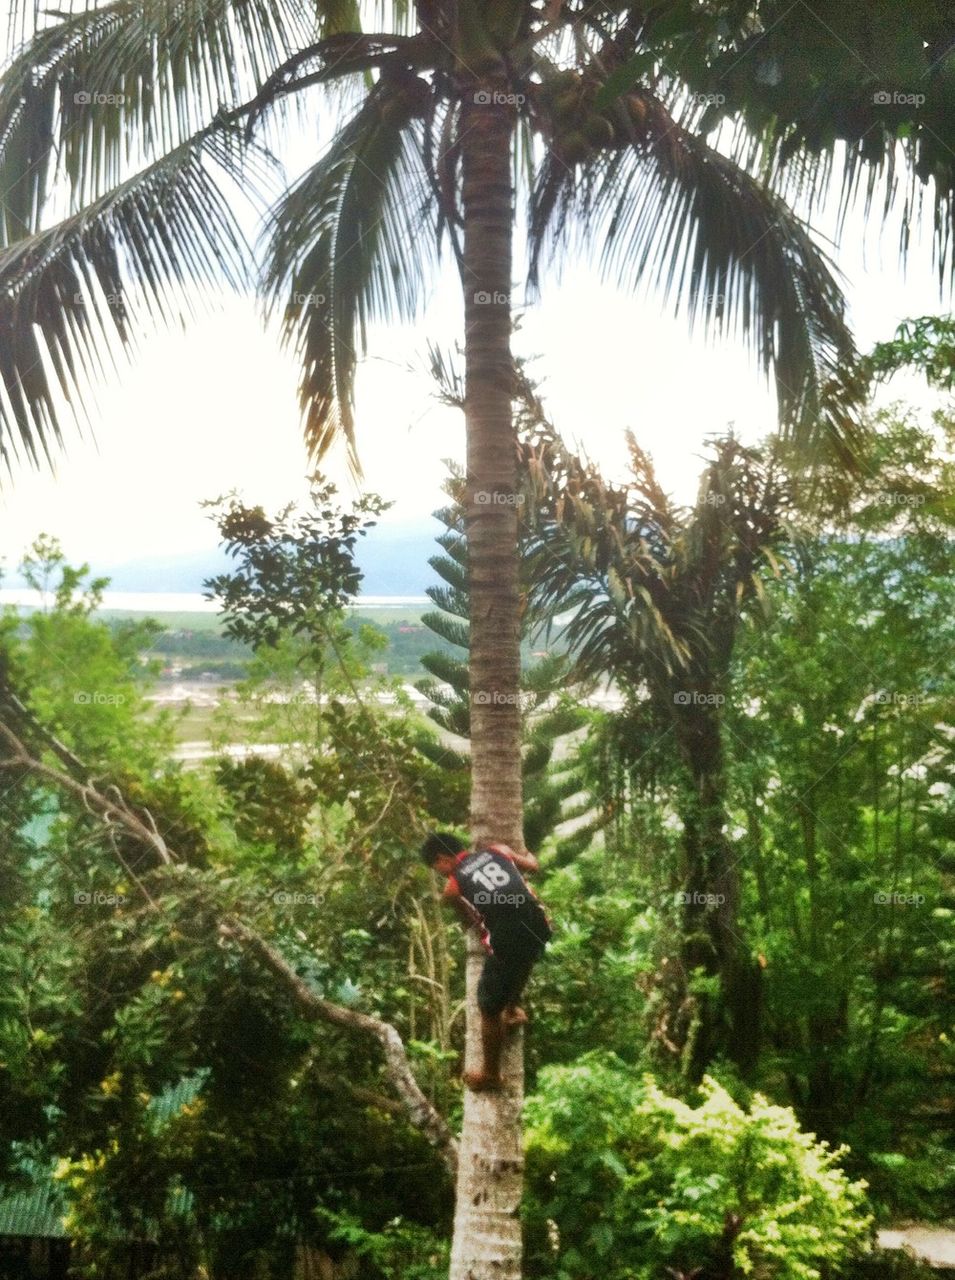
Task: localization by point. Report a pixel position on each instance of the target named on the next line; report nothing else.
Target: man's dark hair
(441, 842)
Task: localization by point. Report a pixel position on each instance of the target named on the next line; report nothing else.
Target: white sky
(214, 408)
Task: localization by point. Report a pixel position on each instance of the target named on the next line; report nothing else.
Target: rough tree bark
(487, 1229)
(730, 1021)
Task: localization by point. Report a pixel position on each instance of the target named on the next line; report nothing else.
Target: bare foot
(481, 1083)
(514, 1016)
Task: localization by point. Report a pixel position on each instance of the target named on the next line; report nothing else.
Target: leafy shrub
(629, 1184)
(401, 1250)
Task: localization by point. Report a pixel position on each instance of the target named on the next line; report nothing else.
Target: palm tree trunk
(729, 1023)
(487, 1231)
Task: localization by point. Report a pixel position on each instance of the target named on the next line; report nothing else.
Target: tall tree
(145, 122)
(550, 782)
(656, 595)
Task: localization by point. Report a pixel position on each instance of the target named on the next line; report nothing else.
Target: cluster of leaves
(108, 1005)
(295, 570)
(635, 1182)
(399, 1251)
(926, 343)
(836, 792)
(599, 963)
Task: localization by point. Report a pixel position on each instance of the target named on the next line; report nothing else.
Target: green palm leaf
(112, 86)
(672, 211)
(353, 241)
(67, 294)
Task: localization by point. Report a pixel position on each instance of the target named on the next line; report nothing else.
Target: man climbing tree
(486, 889)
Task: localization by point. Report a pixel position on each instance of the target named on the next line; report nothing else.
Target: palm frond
(671, 211)
(598, 555)
(910, 176)
(817, 118)
(110, 87)
(651, 591)
(352, 242)
(69, 294)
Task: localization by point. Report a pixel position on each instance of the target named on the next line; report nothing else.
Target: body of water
(180, 601)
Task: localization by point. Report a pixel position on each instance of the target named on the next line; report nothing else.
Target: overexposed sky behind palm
(213, 408)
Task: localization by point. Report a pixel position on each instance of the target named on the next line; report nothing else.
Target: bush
(629, 1184)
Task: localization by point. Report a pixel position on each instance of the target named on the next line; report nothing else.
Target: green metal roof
(37, 1211)
(164, 1106)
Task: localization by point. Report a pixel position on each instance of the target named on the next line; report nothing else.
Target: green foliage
(295, 570)
(835, 793)
(87, 680)
(628, 1182)
(842, 777)
(399, 1251)
(835, 789)
(271, 806)
(116, 987)
(615, 111)
(550, 719)
(600, 962)
(926, 343)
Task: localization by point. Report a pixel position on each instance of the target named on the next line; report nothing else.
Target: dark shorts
(504, 978)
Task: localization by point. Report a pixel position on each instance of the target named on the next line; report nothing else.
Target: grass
(195, 723)
(168, 621)
(400, 613)
(184, 621)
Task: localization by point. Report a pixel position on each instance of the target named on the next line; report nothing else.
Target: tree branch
(115, 812)
(419, 1109)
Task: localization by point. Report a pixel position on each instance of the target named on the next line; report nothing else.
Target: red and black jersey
(513, 919)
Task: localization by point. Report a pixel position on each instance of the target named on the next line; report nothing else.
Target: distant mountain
(184, 572)
(392, 557)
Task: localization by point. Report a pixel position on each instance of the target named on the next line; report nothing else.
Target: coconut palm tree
(129, 130)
